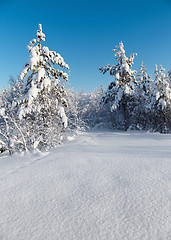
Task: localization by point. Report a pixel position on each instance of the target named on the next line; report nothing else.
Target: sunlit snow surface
(101, 185)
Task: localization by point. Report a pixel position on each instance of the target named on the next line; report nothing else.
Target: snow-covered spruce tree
(143, 92)
(120, 91)
(161, 101)
(42, 102)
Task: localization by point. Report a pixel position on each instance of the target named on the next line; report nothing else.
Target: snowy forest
(37, 111)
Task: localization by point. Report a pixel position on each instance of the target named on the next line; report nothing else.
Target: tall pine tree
(120, 91)
(42, 100)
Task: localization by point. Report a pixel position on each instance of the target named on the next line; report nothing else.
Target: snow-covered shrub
(11, 132)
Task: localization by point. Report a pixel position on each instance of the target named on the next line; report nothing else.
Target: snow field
(102, 185)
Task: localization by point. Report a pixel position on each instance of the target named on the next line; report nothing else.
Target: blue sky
(84, 33)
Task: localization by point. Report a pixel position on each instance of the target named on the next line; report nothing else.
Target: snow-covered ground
(102, 185)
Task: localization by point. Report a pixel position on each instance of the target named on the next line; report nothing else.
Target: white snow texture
(103, 185)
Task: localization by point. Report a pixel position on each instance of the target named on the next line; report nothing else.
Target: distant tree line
(37, 112)
(136, 100)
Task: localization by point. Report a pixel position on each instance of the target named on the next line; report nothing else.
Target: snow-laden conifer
(161, 99)
(42, 100)
(122, 87)
(143, 93)
(143, 80)
(41, 75)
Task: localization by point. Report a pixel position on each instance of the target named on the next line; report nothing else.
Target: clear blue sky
(84, 33)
